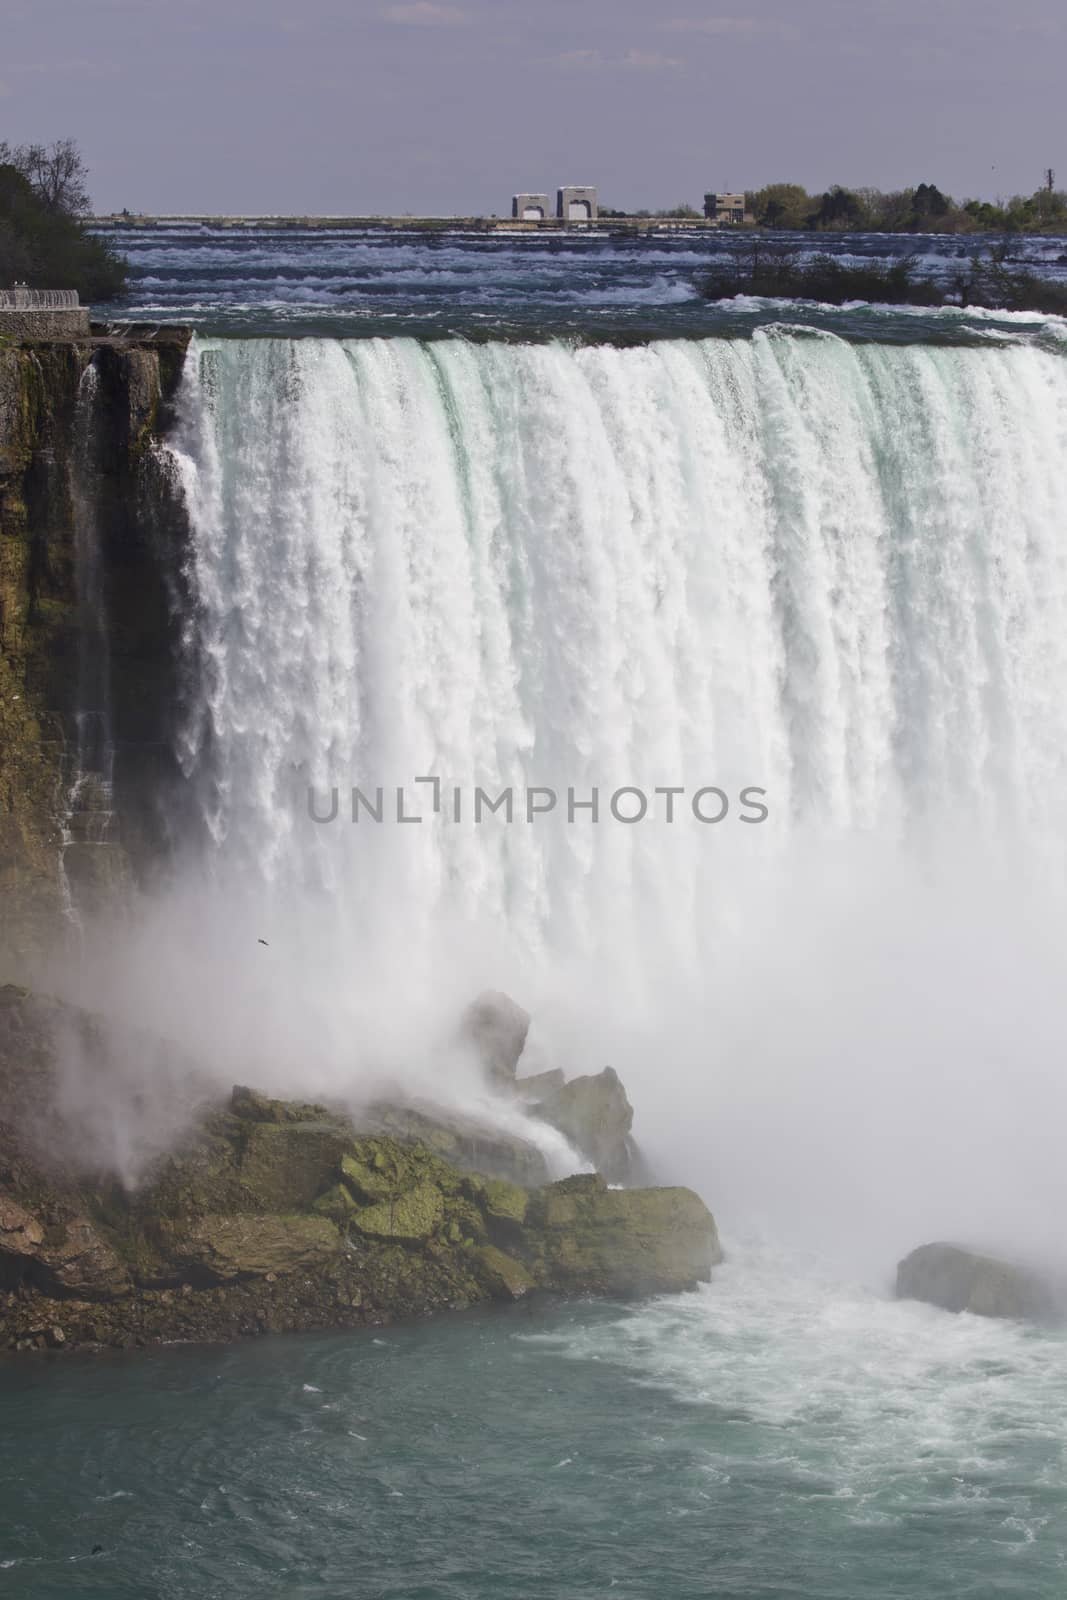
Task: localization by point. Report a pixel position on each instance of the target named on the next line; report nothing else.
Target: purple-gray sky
(436, 106)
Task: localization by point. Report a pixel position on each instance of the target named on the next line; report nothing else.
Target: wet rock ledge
(274, 1216)
(81, 468)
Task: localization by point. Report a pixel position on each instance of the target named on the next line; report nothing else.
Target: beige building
(530, 208)
(727, 209)
(576, 203)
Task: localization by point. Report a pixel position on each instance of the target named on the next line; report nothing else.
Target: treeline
(43, 240)
(924, 209)
(780, 272)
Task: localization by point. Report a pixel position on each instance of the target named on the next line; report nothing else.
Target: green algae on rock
(43, 455)
(271, 1215)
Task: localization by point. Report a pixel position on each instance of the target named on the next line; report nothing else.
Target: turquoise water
(874, 631)
(781, 1433)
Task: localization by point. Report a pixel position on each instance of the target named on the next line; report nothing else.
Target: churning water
(819, 554)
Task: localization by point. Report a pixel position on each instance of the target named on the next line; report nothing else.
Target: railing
(38, 299)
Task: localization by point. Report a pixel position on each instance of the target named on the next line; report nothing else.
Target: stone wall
(70, 323)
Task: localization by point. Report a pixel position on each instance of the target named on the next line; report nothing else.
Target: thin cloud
(426, 14)
(632, 60)
(649, 61)
(731, 27)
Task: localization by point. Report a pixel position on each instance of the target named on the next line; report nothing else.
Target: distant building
(530, 208)
(576, 203)
(727, 209)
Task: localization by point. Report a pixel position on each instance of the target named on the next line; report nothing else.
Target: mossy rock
(337, 1203)
(287, 1165)
(368, 1181)
(221, 1248)
(412, 1216)
(253, 1106)
(622, 1241)
(505, 1202)
(279, 1216)
(506, 1278)
(462, 1141)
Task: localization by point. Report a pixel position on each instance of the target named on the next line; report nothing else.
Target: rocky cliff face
(78, 419)
(270, 1215)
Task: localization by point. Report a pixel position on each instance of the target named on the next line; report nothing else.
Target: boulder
(467, 1142)
(496, 1028)
(539, 1085)
(273, 1216)
(622, 1241)
(506, 1278)
(413, 1216)
(957, 1279)
(594, 1114)
(286, 1165)
(219, 1249)
(21, 1234)
(80, 1262)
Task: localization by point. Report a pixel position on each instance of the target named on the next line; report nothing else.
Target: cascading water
(830, 570)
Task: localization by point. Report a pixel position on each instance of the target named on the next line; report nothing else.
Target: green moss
(505, 1202)
(224, 1247)
(309, 1224)
(414, 1215)
(336, 1203)
(366, 1181)
(286, 1166)
(506, 1277)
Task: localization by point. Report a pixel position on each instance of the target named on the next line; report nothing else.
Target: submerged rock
(957, 1279)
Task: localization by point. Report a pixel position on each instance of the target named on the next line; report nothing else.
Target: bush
(777, 273)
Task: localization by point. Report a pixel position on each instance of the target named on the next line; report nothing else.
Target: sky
(439, 107)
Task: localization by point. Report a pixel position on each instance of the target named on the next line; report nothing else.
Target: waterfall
(833, 571)
(86, 808)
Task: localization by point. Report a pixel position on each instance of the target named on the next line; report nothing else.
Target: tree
(839, 208)
(56, 172)
(930, 202)
(780, 205)
(48, 248)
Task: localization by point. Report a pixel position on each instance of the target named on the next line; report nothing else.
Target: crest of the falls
(834, 571)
